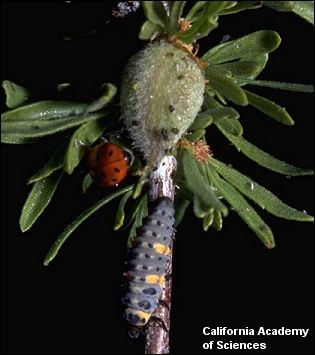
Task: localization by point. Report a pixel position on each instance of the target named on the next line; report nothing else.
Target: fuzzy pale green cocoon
(161, 94)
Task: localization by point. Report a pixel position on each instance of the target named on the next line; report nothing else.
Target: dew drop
(305, 212)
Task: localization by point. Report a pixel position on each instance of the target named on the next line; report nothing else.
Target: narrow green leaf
(202, 121)
(87, 182)
(269, 108)
(231, 126)
(277, 85)
(197, 184)
(149, 30)
(199, 208)
(241, 6)
(263, 197)
(53, 164)
(260, 42)
(107, 97)
(82, 138)
(226, 87)
(141, 181)
(52, 253)
(221, 112)
(208, 220)
(281, 6)
(142, 212)
(15, 130)
(243, 209)
(264, 159)
(155, 13)
(204, 22)
(217, 222)
(195, 11)
(44, 110)
(181, 205)
(16, 95)
(120, 214)
(176, 13)
(304, 9)
(195, 136)
(240, 68)
(38, 199)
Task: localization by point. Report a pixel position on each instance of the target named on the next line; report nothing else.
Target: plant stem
(158, 328)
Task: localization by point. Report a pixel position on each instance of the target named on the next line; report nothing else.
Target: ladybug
(108, 164)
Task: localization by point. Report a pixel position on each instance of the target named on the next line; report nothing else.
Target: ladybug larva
(146, 267)
(161, 94)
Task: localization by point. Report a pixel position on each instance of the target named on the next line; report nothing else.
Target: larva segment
(161, 94)
(148, 258)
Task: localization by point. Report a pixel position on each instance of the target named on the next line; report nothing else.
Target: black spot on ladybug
(175, 130)
(164, 134)
(110, 153)
(117, 170)
(171, 108)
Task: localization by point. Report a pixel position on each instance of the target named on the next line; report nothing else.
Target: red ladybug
(108, 164)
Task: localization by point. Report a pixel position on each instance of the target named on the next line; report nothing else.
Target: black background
(220, 279)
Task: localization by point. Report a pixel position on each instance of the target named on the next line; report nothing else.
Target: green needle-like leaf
(44, 110)
(155, 13)
(208, 220)
(149, 30)
(229, 125)
(304, 9)
(202, 121)
(53, 164)
(15, 95)
(196, 135)
(217, 222)
(82, 138)
(87, 182)
(142, 211)
(226, 86)
(13, 131)
(241, 6)
(181, 205)
(120, 214)
(176, 13)
(197, 184)
(199, 208)
(243, 208)
(240, 69)
(52, 253)
(107, 97)
(269, 108)
(264, 198)
(277, 85)
(264, 159)
(38, 199)
(257, 43)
